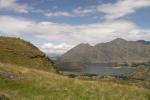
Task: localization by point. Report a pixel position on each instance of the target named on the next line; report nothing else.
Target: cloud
(58, 14)
(53, 49)
(74, 13)
(79, 11)
(121, 8)
(112, 11)
(12, 5)
(13, 26)
(72, 34)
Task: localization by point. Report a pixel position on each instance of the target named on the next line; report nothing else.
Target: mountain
(117, 52)
(144, 42)
(19, 52)
(27, 74)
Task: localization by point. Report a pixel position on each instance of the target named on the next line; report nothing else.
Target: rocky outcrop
(3, 97)
(20, 52)
(9, 75)
(31, 54)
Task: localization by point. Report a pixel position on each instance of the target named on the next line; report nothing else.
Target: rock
(3, 97)
(3, 44)
(141, 73)
(32, 54)
(9, 75)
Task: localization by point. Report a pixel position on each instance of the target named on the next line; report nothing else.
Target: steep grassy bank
(34, 84)
(19, 52)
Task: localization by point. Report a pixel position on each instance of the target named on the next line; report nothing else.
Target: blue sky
(55, 26)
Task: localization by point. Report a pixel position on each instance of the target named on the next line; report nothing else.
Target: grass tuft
(38, 84)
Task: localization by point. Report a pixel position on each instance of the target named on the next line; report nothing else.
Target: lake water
(99, 70)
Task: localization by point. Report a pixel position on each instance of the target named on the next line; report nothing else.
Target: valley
(33, 76)
(74, 49)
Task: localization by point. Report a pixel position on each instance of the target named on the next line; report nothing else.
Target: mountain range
(116, 52)
(26, 73)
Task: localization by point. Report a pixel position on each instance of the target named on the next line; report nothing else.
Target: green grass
(19, 52)
(36, 84)
(38, 80)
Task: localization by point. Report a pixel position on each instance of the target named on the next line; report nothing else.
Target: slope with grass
(19, 52)
(35, 84)
(27, 74)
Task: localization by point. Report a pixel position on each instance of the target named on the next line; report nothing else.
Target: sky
(55, 26)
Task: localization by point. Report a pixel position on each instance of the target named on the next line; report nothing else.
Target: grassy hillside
(35, 84)
(20, 52)
(27, 74)
(142, 73)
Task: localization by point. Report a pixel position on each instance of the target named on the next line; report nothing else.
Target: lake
(99, 70)
(103, 70)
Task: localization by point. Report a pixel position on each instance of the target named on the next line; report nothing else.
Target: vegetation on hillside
(19, 52)
(27, 74)
(35, 84)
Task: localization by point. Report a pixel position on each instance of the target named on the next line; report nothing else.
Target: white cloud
(13, 26)
(52, 49)
(75, 12)
(57, 14)
(111, 10)
(12, 5)
(79, 11)
(121, 8)
(115, 10)
(73, 34)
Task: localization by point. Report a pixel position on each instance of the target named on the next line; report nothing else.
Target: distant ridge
(118, 51)
(144, 42)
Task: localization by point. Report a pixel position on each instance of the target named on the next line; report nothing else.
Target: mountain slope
(27, 74)
(116, 51)
(35, 84)
(19, 52)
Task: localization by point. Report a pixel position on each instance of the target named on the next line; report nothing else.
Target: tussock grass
(45, 85)
(19, 52)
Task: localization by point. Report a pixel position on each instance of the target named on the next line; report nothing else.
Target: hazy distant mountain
(116, 51)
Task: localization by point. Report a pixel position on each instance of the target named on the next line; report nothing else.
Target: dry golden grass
(45, 85)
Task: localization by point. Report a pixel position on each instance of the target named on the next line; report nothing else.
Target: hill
(27, 74)
(142, 73)
(35, 84)
(19, 52)
(116, 52)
